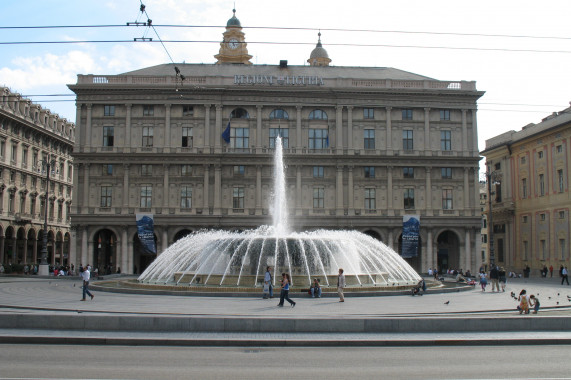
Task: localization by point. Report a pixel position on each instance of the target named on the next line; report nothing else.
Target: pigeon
(446, 303)
(557, 293)
(558, 302)
(549, 297)
(512, 294)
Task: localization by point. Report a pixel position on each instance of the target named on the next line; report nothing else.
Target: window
(283, 133)
(318, 139)
(106, 192)
(525, 249)
(540, 154)
(318, 197)
(279, 114)
(369, 172)
(497, 166)
(239, 169)
(561, 214)
(317, 115)
(186, 137)
(2, 148)
(407, 114)
(108, 134)
(445, 140)
(108, 110)
(561, 180)
(484, 238)
(185, 169)
(408, 172)
(498, 192)
(446, 173)
(148, 110)
(368, 113)
(147, 136)
(369, 139)
(318, 172)
(239, 113)
(185, 197)
(107, 169)
(24, 156)
(524, 188)
(447, 199)
(542, 249)
(559, 148)
(562, 249)
(188, 111)
(146, 196)
(239, 138)
(484, 223)
(523, 160)
(370, 199)
(407, 140)
(541, 185)
(14, 152)
(146, 169)
(238, 198)
(444, 114)
(542, 217)
(33, 205)
(524, 219)
(408, 199)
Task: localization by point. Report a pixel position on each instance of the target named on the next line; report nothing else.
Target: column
(298, 143)
(165, 240)
(125, 191)
(207, 128)
(84, 239)
(474, 132)
(350, 191)
(166, 185)
(124, 253)
(127, 140)
(87, 140)
(78, 135)
(390, 210)
(258, 189)
(205, 187)
(350, 142)
(465, 150)
(339, 130)
(167, 142)
(467, 248)
(298, 191)
(15, 250)
(90, 258)
(85, 187)
(2, 251)
(217, 188)
(466, 189)
(429, 250)
(25, 253)
(389, 132)
(391, 239)
(218, 129)
(258, 142)
(339, 190)
(34, 254)
(130, 257)
(427, 149)
(428, 191)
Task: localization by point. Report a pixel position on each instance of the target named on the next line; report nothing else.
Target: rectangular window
(108, 135)
(446, 173)
(524, 219)
(239, 169)
(445, 140)
(186, 197)
(106, 192)
(24, 157)
(541, 185)
(542, 249)
(484, 223)
(368, 113)
(561, 214)
(147, 136)
(562, 249)
(408, 172)
(238, 198)
(284, 134)
(2, 148)
(542, 217)
(108, 110)
(523, 160)
(107, 169)
(239, 138)
(540, 154)
(14, 152)
(318, 172)
(447, 199)
(369, 139)
(146, 196)
(148, 110)
(497, 166)
(369, 172)
(318, 197)
(525, 249)
(484, 238)
(188, 111)
(407, 114)
(146, 169)
(185, 170)
(444, 114)
(370, 199)
(498, 190)
(524, 188)
(186, 137)
(318, 139)
(408, 199)
(561, 180)
(407, 140)
(559, 148)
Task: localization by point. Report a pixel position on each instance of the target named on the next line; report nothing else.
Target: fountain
(239, 259)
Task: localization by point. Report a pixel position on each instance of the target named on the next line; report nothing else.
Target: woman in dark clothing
(284, 294)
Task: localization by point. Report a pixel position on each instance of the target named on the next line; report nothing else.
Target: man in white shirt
(85, 275)
(268, 281)
(564, 276)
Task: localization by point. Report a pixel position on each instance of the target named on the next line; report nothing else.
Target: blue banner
(226, 134)
(146, 232)
(410, 234)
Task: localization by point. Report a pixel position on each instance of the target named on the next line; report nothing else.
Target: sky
(518, 52)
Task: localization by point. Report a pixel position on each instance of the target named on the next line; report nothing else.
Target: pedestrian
(564, 276)
(268, 282)
(85, 275)
(551, 270)
(502, 274)
(341, 285)
(315, 289)
(483, 281)
(523, 299)
(495, 277)
(284, 294)
(534, 301)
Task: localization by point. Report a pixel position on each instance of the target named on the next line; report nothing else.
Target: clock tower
(233, 48)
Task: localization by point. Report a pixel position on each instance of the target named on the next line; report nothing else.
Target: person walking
(483, 280)
(85, 275)
(268, 281)
(564, 275)
(495, 277)
(502, 275)
(551, 270)
(286, 280)
(341, 285)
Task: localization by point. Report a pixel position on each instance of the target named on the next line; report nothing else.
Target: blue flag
(226, 134)
(327, 139)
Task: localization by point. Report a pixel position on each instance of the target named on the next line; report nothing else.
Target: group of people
(315, 289)
(497, 277)
(526, 301)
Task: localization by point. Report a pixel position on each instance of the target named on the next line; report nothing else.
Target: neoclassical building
(364, 146)
(530, 194)
(31, 136)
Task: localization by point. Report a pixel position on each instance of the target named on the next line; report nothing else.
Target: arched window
(279, 114)
(317, 115)
(239, 113)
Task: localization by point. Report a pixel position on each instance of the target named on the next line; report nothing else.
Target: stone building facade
(364, 146)
(530, 194)
(31, 136)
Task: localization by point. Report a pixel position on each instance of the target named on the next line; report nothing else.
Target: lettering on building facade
(285, 80)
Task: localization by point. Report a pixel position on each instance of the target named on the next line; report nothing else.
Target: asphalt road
(120, 362)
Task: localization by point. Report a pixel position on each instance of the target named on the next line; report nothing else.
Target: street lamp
(44, 269)
(495, 177)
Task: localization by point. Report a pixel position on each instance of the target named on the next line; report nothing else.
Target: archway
(31, 254)
(180, 234)
(105, 251)
(373, 234)
(448, 249)
(20, 245)
(9, 246)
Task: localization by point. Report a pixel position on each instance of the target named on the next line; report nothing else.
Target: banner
(146, 232)
(226, 134)
(410, 234)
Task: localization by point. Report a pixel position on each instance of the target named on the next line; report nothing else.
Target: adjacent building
(192, 144)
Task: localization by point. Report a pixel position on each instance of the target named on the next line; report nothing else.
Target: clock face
(233, 44)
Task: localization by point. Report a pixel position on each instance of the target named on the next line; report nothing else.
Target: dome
(319, 56)
(319, 52)
(233, 22)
